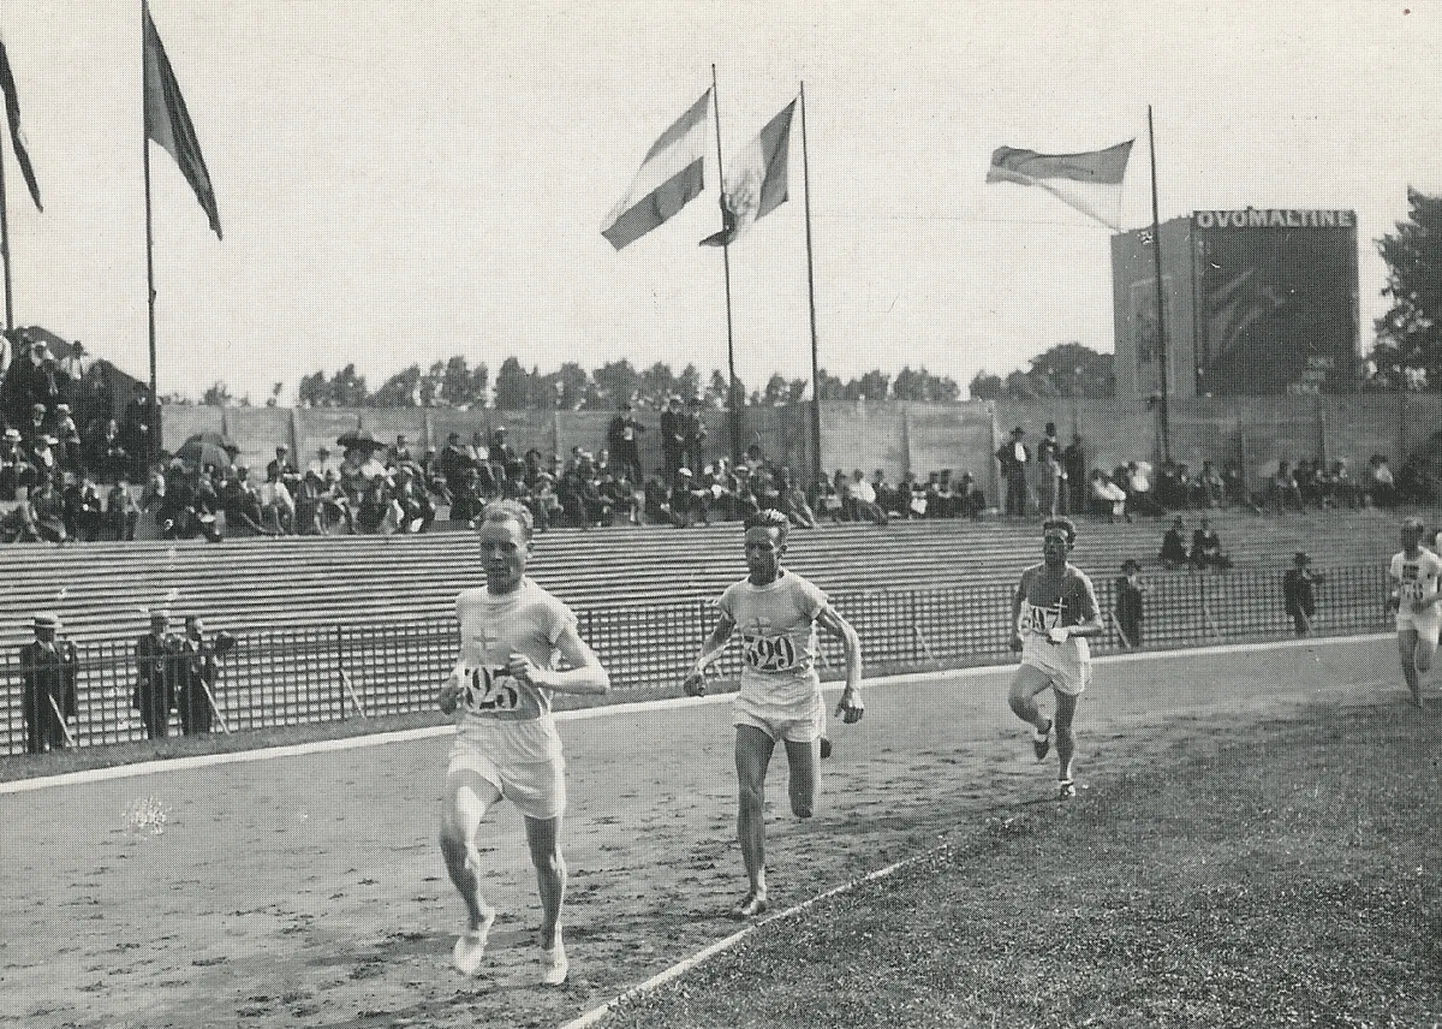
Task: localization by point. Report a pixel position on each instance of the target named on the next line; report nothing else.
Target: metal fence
(324, 673)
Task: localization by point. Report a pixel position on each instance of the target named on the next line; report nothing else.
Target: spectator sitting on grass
(1174, 546)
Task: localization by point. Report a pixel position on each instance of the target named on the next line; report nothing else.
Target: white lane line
(139, 768)
(636, 992)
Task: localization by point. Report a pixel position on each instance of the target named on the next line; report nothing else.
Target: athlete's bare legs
(541, 836)
(804, 784)
(1025, 685)
(753, 755)
(1065, 735)
(1416, 654)
(468, 797)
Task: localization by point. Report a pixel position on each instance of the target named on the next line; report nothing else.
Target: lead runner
(778, 613)
(1053, 612)
(506, 743)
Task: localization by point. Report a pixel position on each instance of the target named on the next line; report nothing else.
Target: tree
(218, 395)
(1066, 370)
(829, 386)
(718, 389)
(1409, 335)
(313, 391)
(922, 385)
(513, 386)
(347, 389)
(616, 383)
(777, 391)
(688, 383)
(871, 386)
(985, 386)
(400, 390)
(464, 387)
(658, 383)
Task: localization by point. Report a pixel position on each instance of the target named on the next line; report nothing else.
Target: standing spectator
(1381, 486)
(49, 666)
(109, 458)
(196, 682)
(157, 672)
(1234, 488)
(44, 460)
(673, 437)
(453, 461)
(1052, 474)
(502, 453)
(16, 471)
(1210, 487)
(864, 496)
(1014, 457)
(693, 432)
(122, 514)
(1074, 463)
(1299, 593)
(47, 512)
(623, 437)
(1285, 490)
(67, 440)
(137, 428)
(399, 454)
(1129, 590)
(84, 510)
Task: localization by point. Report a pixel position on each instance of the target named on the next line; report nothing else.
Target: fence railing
(315, 674)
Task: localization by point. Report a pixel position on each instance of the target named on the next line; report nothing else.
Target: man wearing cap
(1129, 589)
(1014, 457)
(1299, 592)
(158, 664)
(673, 437)
(49, 666)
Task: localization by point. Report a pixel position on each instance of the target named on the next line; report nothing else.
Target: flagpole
(152, 430)
(5, 240)
(1161, 293)
(811, 298)
(736, 402)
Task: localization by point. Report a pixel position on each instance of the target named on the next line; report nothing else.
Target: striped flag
(1089, 181)
(669, 179)
(168, 122)
(755, 180)
(17, 135)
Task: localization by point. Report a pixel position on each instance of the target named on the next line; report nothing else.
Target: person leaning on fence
(1129, 590)
(1299, 593)
(49, 666)
(158, 667)
(198, 670)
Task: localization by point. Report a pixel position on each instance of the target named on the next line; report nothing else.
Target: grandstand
(102, 590)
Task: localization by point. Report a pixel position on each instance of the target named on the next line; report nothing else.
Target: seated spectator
(1207, 549)
(717, 480)
(887, 498)
(748, 503)
(1174, 546)
(793, 500)
(1106, 497)
(1284, 490)
(67, 440)
(241, 503)
(973, 499)
(400, 453)
(1381, 486)
(417, 510)
(47, 512)
(308, 496)
(18, 526)
(658, 501)
(689, 502)
(1343, 489)
(283, 471)
(1139, 490)
(16, 471)
(825, 501)
(108, 457)
(1211, 490)
(1234, 489)
(467, 501)
(919, 499)
(45, 460)
(864, 497)
(377, 514)
(84, 510)
(277, 506)
(36, 428)
(1309, 482)
(122, 514)
(616, 490)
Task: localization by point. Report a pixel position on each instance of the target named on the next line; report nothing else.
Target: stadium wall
(896, 436)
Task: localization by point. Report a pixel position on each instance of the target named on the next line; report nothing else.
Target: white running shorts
(1069, 670)
(792, 723)
(537, 788)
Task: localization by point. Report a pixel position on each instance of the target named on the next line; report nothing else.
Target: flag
(669, 179)
(168, 122)
(755, 180)
(1089, 182)
(17, 135)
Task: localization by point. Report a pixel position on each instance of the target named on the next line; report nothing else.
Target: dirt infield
(308, 891)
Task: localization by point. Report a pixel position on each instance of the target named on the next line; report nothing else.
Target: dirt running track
(308, 891)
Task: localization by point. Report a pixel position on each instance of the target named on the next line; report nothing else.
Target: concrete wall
(895, 436)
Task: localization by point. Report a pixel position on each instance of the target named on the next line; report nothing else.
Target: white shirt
(1417, 577)
(862, 491)
(779, 647)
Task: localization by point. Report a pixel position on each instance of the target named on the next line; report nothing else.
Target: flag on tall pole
(1091, 182)
(670, 177)
(756, 180)
(168, 122)
(17, 134)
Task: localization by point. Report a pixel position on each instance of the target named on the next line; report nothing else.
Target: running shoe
(1041, 743)
(1066, 789)
(556, 965)
(470, 947)
(750, 907)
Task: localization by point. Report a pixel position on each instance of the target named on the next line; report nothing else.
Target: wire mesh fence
(291, 676)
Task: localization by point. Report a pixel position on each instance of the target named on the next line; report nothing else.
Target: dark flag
(168, 122)
(17, 135)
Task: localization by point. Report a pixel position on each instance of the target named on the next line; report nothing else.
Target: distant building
(1258, 301)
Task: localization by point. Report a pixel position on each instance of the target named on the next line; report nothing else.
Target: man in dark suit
(1014, 456)
(158, 663)
(623, 437)
(49, 666)
(198, 672)
(1299, 593)
(673, 437)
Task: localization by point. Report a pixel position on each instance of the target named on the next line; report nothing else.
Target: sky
(399, 182)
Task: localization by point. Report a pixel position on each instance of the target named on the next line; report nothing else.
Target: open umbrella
(207, 448)
(359, 439)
